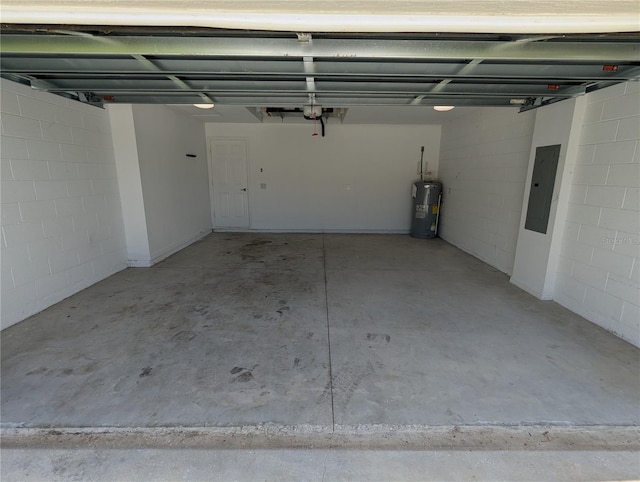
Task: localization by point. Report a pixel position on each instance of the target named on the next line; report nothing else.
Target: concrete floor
(315, 465)
(314, 333)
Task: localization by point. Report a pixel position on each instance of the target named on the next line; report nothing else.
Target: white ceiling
(220, 113)
(470, 16)
(396, 115)
(355, 115)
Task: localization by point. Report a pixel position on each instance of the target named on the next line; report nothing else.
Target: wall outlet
(263, 185)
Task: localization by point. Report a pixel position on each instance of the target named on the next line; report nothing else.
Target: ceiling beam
(65, 73)
(221, 93)
(323, 48)
(303, 99)
(179, 82)
(467, 68)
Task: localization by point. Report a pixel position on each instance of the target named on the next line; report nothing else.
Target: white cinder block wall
(61, 217)
(165, 192)
(483, 165)
(537, 254)
(599, 273)
(356, 179)
(175, 187)
(125, 149)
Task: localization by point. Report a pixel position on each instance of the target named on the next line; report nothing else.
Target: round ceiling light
(443, 108)
(204, 106)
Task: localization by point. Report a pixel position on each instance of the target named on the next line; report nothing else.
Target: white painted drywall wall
(175, 187)
(62, 226)
(537, 254)
(483, 165)
(125, 149)
(599, 269)
(357, 179)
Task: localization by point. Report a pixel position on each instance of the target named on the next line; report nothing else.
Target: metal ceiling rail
(329, 76)
(336, 48)
(299, 100)
(284, 69)
(374, 88)
(205, 66)
(293, 69)
(276, 94)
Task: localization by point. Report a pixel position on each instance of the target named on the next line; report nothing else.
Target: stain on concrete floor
(241, 329)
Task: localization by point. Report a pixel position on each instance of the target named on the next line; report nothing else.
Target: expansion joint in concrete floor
(331, 338)
(379, 437)
(326, 304)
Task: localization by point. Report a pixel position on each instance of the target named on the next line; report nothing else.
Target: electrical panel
(541, 192)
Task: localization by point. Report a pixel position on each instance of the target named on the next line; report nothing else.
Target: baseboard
(174, 248)
(486, 261)
(139, 263)
(603, 322)
(312, 231)
(526, 288)
(11, 318)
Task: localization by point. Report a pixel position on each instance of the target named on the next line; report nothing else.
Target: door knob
(243, 189)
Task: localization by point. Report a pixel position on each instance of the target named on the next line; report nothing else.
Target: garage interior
(241, 276)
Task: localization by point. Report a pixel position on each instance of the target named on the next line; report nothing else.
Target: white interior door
(229, 161)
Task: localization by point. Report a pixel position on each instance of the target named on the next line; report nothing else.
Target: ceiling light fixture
(204, 106)
(443, 108)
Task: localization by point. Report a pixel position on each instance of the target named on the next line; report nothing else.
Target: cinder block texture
(62, 224)
(604, 287)
(483, 166)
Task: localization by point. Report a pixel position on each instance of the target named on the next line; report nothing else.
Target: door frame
(210, 141)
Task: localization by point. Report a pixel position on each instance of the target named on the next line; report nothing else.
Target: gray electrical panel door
(541, 193)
